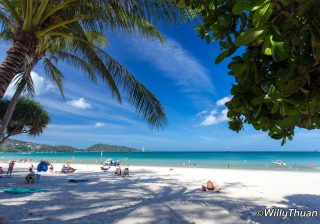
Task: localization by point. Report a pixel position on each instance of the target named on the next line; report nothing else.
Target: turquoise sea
(244, 160)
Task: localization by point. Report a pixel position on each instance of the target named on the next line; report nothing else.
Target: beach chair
(125, 172)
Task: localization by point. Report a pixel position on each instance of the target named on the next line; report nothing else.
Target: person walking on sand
(10, 169)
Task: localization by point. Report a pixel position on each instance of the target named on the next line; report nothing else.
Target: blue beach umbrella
(42, 167)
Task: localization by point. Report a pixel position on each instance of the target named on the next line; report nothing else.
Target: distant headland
(12, 145)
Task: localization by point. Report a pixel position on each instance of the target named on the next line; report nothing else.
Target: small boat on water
(279, 163)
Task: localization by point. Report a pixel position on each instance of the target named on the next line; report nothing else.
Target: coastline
(159, 195)
(294, 161)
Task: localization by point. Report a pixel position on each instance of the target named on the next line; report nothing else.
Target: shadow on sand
(145, 197)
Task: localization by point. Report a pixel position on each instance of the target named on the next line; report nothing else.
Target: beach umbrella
(68, 161)
(42, 167)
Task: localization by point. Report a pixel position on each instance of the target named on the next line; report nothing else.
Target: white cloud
(222, 101)
(99, 124)
(81, 103)
(41, 85)
(176, 63)
(216, 115)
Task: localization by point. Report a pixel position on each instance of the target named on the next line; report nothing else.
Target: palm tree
(33, 23)
(57, 49)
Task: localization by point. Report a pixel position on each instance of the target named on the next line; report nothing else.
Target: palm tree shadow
(141, 198)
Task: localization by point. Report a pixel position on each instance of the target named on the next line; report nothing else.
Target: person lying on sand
(105, 167)
(71, 170)
(210, 187)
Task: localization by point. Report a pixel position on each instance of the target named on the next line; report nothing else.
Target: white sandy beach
(159, 195)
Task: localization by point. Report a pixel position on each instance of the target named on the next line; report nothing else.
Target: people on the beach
(105, 168)
(118, 171)
(1, 170)
(51, 168)
(10, 169)
(67, 169)
(64, 169)
(210, 187)
(125, 172)
(71, 170)
(30, 178)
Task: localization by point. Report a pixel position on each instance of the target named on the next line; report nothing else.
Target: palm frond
(84, 48)
(5, 20)
(10, 7)
(145, 103)
(75, 61)
(53, 73)
(23, 80)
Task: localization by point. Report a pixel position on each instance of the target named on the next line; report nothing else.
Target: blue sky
(181, 73)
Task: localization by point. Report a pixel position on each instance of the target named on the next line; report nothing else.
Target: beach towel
(78, 180)
(14, 190)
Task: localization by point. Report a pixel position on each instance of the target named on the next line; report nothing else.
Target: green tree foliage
(277, 76)
(28, 118)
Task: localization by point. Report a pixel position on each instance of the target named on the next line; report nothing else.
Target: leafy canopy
(277, 76)
(28, 118)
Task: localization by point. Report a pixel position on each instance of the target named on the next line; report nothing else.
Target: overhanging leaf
(247, 37)
(222, 56)
(280, 50)
(262, 14)
(267, 48)
(240, 6)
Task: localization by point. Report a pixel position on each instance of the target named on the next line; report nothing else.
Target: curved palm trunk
(7, 116)
(12, 105)
(13, 62)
